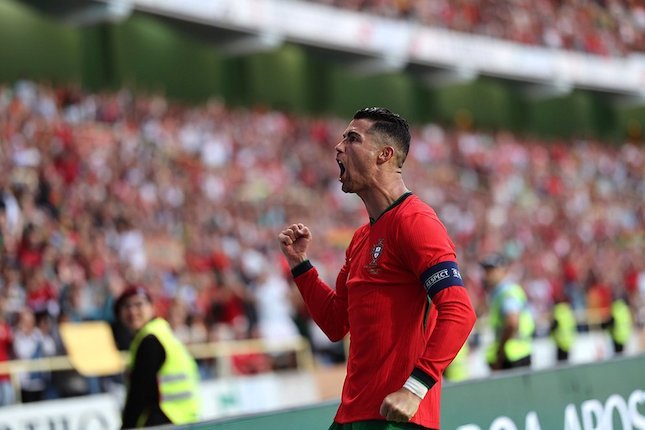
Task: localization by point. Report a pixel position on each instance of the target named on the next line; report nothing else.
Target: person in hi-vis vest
(162, 377)
(563, 328)
(509, 315)
(621, 324)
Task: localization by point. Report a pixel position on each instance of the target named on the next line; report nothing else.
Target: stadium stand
(607, 28)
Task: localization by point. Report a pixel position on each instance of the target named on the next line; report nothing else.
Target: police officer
(509, 315)
(563, 328)
(162, 382)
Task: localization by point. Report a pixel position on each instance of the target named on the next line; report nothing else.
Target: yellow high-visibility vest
(521, 344)
(178, 378)
(565, 331)
(622, 327)
(458, 369)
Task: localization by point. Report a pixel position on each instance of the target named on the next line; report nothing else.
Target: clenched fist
(294, 241)
(400, 406)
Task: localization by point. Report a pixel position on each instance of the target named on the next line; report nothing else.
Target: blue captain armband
(442, 275)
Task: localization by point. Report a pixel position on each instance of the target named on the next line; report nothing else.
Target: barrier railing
(222, 351)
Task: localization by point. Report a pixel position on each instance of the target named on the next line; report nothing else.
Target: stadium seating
(607, 28)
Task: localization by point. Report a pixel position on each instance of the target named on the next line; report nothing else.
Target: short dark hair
(390, 124)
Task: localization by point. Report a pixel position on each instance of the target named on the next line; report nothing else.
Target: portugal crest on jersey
(377, 250)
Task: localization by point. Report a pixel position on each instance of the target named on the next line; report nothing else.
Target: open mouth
(342, 169)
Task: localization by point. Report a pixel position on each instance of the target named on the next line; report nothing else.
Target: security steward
(511, 320)
(563, 328)
(162, 377)
(621, 324)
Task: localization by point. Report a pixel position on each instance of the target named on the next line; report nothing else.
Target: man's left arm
(455, 319)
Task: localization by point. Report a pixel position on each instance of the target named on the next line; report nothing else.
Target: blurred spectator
(29, 343)
(130, 246)
(7, 396)
(68, 383)
(275, 319)
(599, 299)
(178, 320)
(122, 335)
(41, 297)
(230, 303)
(245, 363)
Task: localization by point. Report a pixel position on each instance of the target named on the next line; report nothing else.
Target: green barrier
(598, 396)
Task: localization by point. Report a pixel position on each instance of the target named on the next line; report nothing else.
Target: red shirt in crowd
(392, 266)
(6, 345)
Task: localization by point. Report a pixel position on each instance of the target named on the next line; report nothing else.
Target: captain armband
(442, 275)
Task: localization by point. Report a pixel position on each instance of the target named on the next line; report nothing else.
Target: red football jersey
(392, 266)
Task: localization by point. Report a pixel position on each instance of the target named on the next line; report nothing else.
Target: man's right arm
(327, 307)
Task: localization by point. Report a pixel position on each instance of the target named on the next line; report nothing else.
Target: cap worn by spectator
(493, 261)
(135, 290)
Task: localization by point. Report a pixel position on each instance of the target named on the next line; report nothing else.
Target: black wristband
(301, 268)
(423, 377)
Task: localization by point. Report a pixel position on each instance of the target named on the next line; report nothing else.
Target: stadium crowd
(101, 191)
(601, 27)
